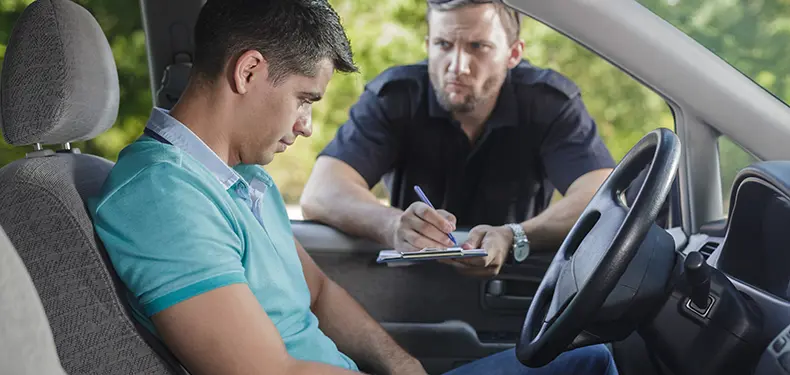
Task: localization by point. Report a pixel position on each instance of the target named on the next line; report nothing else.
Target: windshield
(751, 35)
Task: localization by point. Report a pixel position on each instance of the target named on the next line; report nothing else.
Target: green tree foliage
(752, 35)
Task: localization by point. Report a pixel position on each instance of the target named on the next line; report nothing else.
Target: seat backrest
(59, 84)
(26, 343)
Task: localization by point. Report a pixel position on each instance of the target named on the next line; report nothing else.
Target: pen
(425, 200)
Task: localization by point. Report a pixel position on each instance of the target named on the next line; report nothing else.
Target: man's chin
(457, 105)
(266, 158)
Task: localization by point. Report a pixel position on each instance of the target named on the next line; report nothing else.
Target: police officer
(486, 135)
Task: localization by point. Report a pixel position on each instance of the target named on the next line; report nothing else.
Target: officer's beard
(468, 105)
(470, 101)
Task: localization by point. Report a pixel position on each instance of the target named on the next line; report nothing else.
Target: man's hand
(421, 226)
(354, 332)
(497, 241)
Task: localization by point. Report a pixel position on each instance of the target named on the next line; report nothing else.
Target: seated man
(199, 233)
(486, 135)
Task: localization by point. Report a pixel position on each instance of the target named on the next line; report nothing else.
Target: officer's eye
(443, 43)
(478, 46)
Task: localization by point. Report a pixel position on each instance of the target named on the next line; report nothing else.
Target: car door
(441, 317)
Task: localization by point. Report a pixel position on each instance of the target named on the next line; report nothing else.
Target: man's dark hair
(292, 35)
(510, 19)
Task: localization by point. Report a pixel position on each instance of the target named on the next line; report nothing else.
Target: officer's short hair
(292, 35)
(511, 20)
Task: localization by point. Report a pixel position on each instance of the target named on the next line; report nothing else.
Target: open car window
(752, 36)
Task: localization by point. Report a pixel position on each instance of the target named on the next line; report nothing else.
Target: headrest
(59, 82)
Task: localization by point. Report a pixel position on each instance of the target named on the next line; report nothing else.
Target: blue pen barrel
(425, 200)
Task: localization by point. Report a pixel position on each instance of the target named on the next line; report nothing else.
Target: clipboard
(392, 256)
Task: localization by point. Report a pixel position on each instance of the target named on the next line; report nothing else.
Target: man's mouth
(455, 84)
(283, 145)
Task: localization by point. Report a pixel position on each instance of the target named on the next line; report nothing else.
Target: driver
(486, 135)
(198, 232)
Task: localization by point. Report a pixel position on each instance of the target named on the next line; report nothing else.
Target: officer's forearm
(337, 196)
(547, 230)
(363, 218)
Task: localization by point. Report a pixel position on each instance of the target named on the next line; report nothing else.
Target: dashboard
(756, 250)
(753, 251)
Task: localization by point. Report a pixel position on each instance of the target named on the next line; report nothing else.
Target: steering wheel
(597, 251)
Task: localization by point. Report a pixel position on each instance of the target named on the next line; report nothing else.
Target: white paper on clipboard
(391, 256)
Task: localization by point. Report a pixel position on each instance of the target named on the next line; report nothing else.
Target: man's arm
(189, 276)
(365, 148)
(225, 331)
(574, 157)
(547, 230)
(354, 332)
(337, 195)
(576, 161)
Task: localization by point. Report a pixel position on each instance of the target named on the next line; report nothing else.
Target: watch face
(521, 251)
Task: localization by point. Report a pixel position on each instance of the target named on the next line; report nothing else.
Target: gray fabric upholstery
(26, 344)
(42, 211)
(59, 82)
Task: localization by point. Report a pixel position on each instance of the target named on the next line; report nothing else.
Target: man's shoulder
(528, 75)
(400, 78)
(151, 167)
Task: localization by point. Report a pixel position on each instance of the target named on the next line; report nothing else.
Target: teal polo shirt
(177, 222)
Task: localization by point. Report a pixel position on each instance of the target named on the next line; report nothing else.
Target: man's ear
(249, 67)
(516, 54)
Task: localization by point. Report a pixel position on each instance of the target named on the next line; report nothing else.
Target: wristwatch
(520, 243)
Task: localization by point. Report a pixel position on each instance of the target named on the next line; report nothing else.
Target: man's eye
(443, 44)
(479, 46)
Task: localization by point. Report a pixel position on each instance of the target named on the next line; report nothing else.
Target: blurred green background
(752, 35)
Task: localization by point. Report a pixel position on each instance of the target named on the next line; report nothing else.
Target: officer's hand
(421, 226)
(497, 241)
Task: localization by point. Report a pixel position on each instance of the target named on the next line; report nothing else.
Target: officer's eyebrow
(483, 42)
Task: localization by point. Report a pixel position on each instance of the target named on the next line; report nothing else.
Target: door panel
(441, 317)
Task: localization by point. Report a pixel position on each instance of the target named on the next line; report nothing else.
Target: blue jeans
(592, 360)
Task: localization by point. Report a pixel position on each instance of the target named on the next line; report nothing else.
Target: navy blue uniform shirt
(539, 137)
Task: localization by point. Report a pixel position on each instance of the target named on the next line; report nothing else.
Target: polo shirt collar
(179, 135)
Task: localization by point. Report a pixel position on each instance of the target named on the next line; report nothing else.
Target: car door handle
(496, 297)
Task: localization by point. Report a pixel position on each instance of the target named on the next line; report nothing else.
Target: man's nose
(304, 123)
(459, 63)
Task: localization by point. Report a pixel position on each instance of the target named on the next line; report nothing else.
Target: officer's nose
(304, 122)
(459, 63)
